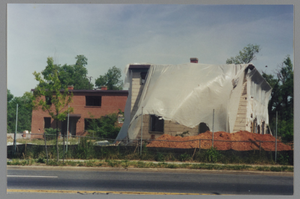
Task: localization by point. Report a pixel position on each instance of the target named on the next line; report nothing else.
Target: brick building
(172, 99)
(87, 104)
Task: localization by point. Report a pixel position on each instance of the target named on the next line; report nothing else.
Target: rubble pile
(222, 141)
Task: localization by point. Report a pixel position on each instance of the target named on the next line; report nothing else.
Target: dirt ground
(10, 139)
(240, 141)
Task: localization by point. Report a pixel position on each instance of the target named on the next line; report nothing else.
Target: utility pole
(276, 137)
(213, 127)
(67, 130)
(141, 133)
(15, 136)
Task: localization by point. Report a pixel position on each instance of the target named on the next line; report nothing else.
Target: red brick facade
(110, 102)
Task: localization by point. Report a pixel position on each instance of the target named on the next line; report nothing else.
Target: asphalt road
(147, 181)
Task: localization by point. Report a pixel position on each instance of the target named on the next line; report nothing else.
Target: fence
(86, 147)
(244, 145)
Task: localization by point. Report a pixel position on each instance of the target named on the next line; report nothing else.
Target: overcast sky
(116, 35)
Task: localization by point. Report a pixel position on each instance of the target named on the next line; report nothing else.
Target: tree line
(75, 75)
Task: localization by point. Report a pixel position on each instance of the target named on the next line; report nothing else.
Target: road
(149, 181)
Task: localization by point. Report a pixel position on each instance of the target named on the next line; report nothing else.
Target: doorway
(72, 126)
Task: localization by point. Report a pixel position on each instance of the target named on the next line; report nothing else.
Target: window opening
(203, 127)
(48, 100)
(47, 122)
(93, 100)
(143, 77)
(156, 123)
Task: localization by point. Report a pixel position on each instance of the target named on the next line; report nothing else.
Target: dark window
(93, 100)
(156, 123)
(47, 122)
(48, 100)
(143, 77)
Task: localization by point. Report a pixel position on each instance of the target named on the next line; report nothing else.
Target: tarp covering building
(187, 94)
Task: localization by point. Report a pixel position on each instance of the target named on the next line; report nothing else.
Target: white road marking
(28, 176)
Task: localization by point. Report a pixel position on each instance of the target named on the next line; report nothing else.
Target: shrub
(212, 155)
(104, 126)
(41, 160)
(184, 157)
(283, 159)
(159, 157)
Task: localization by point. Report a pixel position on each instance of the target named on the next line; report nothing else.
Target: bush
(50, 133)
(184, 157)
(212, 155)
(283, 159)
(159, 157)
(85, 148)
(104, 127)
(41, 160)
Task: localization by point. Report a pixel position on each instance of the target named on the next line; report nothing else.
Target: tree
(282, 99)
(104, 126)
(245, 56)
(111, 79)
(9, 96)
(51, 96)
(75, 75)
(24, 112)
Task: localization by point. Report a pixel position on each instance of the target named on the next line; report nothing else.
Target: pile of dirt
(222, 141)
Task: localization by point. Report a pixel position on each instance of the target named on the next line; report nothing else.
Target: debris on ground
(239, 141)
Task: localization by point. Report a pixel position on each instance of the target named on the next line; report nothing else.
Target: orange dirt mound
(222, 141)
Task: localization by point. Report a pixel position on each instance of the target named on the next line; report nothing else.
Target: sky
(116, 35)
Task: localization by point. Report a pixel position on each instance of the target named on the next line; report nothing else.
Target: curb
(103, 192)
(170, 170)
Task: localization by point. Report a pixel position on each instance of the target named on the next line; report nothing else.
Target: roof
(139, 66)
(147, 66)
(97, 91)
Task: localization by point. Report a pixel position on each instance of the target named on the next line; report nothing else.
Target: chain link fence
(90, 147)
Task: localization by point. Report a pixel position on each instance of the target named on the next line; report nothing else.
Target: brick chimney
(103, 88)
(194, 60)
(70, 87)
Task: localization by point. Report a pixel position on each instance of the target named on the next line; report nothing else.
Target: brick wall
(111, 102)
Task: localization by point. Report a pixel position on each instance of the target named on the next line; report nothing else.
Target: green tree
(105, 126)
(24, 112)
(9, 96)
(51, 96)
(75, 75)
(245, 56)
(282, 99)
(111, 79)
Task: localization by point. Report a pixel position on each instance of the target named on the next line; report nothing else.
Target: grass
(42, 142)
(140, 164)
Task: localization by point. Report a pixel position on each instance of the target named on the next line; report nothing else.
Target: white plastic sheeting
(259, 92)
(188, 93)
